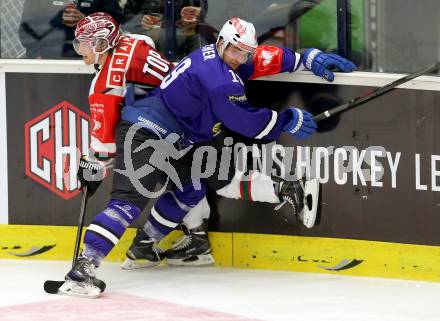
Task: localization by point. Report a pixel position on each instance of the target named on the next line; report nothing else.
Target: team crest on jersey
(217, 128)
(53, 141)
(267, 57)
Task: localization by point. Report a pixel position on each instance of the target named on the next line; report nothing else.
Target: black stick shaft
(372, 94)
(80, 224)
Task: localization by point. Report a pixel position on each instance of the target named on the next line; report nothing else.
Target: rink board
(401, 212)
(403, 209)
(254, 251)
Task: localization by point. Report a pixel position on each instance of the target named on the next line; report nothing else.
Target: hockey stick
(53, 286)
(82, 215)
(372, 94)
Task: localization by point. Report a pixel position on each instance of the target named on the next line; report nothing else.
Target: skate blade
(311, 195)
(195, 260)
(138, 264)
(79, 289)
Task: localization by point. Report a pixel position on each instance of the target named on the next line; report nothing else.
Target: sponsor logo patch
(237, 98)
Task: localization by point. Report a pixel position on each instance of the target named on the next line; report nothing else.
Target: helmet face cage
(242, 56)
(97, 46)
(99, 31)
(239, 33)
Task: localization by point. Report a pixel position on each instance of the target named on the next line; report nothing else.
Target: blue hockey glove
(320, 63)
(301, 124)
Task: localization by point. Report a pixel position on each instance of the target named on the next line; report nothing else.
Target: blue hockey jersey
(204, 93)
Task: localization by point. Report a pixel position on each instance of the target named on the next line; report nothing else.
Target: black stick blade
(52, 287)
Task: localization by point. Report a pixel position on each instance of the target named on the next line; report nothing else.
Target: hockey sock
(256, 187)
(92, 254)
(170, 209)
(196, 215)
(107, 228)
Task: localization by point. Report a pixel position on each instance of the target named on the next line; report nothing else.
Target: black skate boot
(81, 280)
(143, 252)
(302, 195)
(193, 249)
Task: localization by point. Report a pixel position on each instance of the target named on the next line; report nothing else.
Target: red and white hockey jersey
(134, 60)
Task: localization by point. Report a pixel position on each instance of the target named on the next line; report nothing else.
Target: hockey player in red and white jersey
(121, 60)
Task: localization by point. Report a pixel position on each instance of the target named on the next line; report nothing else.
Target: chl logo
(53, 143)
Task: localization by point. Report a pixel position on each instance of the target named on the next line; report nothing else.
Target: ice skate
(192, 249)
(143, 252)
(302, 195)
(81, 280)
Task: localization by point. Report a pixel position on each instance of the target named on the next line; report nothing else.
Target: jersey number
(184, 65)
(235, 77)
(155, 60)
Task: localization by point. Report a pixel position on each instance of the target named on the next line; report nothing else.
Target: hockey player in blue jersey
(207, 87)
(205, 91)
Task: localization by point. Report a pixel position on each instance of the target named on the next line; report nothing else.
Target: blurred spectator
(147, 17)
(10, 16)
(74, 11)
(313, 23)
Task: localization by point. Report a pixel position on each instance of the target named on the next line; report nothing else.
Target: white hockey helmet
(238, 32)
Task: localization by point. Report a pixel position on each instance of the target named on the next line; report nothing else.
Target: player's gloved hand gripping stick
(301, 123)
(91, 172)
